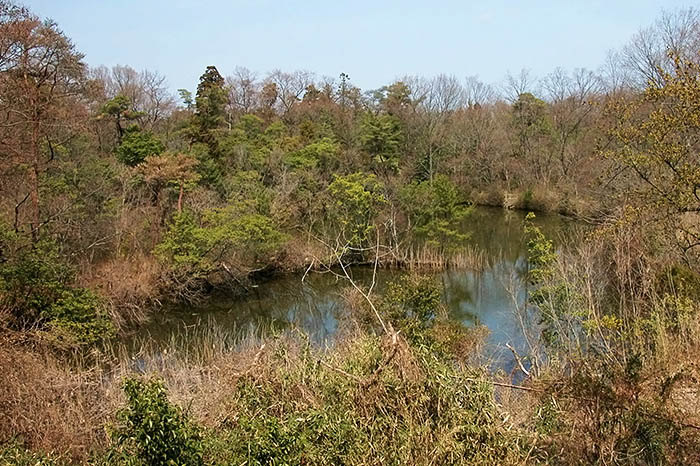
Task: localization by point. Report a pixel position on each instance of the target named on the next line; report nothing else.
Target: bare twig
(517, 359)
(17, 206)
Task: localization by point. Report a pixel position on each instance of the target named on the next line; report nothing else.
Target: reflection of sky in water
(314, 307)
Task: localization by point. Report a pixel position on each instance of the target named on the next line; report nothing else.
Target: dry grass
(427, 258)
(623, 370)
(563, 414)
(55, 406)
(301, 251)
(49, 406)
(131, 285)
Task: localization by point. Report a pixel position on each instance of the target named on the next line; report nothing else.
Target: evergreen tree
(210, 109)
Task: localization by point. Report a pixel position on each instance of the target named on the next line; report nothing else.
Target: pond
(488, 296)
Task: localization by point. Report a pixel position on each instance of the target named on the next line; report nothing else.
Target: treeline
(117, 196)
(141, 197)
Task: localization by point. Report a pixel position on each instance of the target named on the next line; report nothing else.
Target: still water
(488, 296)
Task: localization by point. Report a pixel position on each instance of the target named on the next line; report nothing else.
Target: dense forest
(120, 198)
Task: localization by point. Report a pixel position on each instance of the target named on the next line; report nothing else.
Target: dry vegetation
(114, 199)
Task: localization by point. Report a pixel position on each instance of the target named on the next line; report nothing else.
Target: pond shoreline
(422, 260)
(309, 299)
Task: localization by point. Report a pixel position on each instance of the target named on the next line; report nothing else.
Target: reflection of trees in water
(499, 233)
(315, 306)
(316, 313)
(462, 293)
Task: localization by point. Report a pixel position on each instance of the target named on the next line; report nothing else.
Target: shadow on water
(487, 297)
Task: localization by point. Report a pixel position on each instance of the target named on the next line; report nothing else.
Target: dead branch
(518, 360)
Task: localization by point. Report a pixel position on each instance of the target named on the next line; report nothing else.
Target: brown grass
(431, 259)
(53, 406)
(49, 406)
(130, 284)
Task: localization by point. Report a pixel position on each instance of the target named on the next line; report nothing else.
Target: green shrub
(562, 314)
(77, 318)
(152, 430)
(419, 410)
(435, 210)
(185, 246)
(192, 251)
(235, 229)
(14, 453)
(541, 254)
(380, 136)
(547, 418)
(649, 435)
(249, 144)
(355, 202)
(322, 154)
(137, 145)
(36, 289)
(413, 303)
(679, 280)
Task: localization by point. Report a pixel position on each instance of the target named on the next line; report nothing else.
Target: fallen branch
(518, 360)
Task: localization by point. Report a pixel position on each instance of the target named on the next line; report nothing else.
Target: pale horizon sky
(374, 42)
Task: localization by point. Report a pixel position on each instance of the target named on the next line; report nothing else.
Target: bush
(76, 318)
(14, 453)
(421, 409)
(185, 245)
(380, 136)
(413, 304)
(137, 145)
(435, 209)
(193, 252)
(354, 204)
(36, 291)
(322, 154)
(679, 280)
(153, 431)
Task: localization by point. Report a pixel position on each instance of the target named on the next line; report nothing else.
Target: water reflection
(487, 297)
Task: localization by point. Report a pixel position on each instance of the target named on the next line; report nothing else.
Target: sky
(374, 42)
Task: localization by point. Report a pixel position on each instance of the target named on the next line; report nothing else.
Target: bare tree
(515, 86)
(649, 55)
(158, 102)
(290, 87)
(146, 90)
(571, 98)
(444, 94)
(435, 102)
(477, 93)
(244, 90)
(615, 77)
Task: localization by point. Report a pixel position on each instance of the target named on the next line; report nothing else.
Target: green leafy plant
(380, 136)
(16, 454)
(185, 245)
(152, 431)
(137, 145)
(322, 154)
(355, 202)
(36, 288)
(193, 248)
(413, 303)
(435, 210)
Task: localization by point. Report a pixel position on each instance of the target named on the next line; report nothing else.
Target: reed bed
(426, 258)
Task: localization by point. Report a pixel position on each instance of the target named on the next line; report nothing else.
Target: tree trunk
(34, 183)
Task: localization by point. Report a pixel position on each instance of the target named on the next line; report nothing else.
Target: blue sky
(372, 41)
